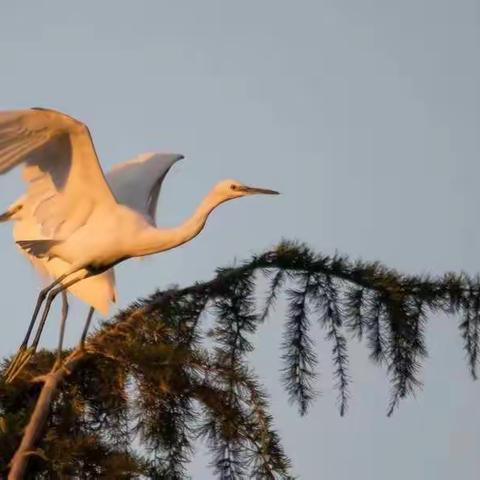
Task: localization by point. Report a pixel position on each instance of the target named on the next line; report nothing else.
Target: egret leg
(53, 292)
(41, 298)
(23, 347)
(86, 327)
(50, 297)
(33, 348)
(62, 326)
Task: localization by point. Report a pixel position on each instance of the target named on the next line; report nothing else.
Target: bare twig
(51, 380)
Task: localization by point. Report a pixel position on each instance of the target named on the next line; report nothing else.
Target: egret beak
(255, 190)
(180, 157)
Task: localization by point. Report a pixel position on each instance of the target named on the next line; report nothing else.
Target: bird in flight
(80, 220)
(135, 183)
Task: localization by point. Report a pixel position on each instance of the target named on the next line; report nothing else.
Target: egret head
(230, 189)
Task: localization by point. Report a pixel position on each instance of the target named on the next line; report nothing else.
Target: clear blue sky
(366, 115)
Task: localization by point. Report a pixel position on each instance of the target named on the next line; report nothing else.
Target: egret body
(135, 183)
(80, 220)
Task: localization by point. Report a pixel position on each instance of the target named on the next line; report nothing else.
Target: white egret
(135, 183)
(77, 211)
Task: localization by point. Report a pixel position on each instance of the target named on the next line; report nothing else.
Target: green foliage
(157, 378)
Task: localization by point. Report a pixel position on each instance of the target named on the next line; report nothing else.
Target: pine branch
(406, 346)
(374, 323)
(33, 430)
(236, 318)
(353, 304)
(326, 298)
(277, 280)
(158, 346)
(470, 327)
(299, 357)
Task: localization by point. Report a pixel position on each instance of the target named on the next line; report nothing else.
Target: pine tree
(173, 368)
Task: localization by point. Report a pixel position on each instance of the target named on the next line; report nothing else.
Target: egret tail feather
(4, 217)
(38, 248)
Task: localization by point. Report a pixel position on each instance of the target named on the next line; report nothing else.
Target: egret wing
(136, 183)
(65, 180)
(98, 291)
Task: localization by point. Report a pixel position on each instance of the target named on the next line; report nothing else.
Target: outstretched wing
(65, 180)
(136, 183)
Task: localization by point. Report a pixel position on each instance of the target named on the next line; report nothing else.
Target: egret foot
(15, 361)
(21, 359)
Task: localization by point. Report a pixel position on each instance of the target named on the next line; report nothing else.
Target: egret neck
(156, 240)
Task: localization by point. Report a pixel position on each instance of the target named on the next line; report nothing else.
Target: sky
(365, 115)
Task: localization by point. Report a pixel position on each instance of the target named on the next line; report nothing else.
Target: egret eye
(233, 186)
